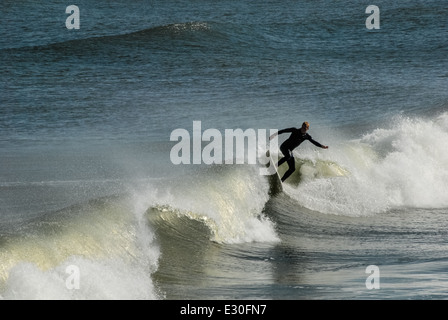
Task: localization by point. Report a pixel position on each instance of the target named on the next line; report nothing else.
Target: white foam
(111, 246)
(105, 279)
(401, 166)
(232, 199)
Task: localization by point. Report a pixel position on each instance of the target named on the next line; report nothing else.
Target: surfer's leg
(282, 161)
(286, 155)
(292, 168)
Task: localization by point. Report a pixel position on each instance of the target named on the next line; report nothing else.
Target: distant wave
(187, 31)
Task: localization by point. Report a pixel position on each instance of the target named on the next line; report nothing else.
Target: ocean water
(93, 207)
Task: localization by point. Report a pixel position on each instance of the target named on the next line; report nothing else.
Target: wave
(105, 240)
(228, 200)
(159, 37)
(401, 166)
(126, 245)
(116, 242)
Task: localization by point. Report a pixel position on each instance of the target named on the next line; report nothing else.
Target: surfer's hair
(306, 125)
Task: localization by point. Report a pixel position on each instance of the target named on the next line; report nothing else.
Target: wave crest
(229, 200)
(396, 167)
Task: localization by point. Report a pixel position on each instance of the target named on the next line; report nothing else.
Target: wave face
(228, 200)
(105, 240)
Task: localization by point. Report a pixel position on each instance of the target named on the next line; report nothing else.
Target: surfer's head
(305, 126)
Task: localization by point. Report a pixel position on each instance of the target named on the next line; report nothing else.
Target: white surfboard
(277, 178)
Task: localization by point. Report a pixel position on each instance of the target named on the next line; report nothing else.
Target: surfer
(295, 139)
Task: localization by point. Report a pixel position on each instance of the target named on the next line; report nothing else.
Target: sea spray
(413, 167)
(229, 199)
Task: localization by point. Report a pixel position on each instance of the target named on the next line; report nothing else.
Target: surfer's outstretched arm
(317, 144)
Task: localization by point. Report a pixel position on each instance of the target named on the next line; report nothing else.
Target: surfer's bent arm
(280, 132)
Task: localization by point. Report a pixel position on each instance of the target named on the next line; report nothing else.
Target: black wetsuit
(294, 140)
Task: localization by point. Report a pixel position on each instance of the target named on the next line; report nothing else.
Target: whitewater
(400, 165)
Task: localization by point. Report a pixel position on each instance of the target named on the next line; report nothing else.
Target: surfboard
(276, 179)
